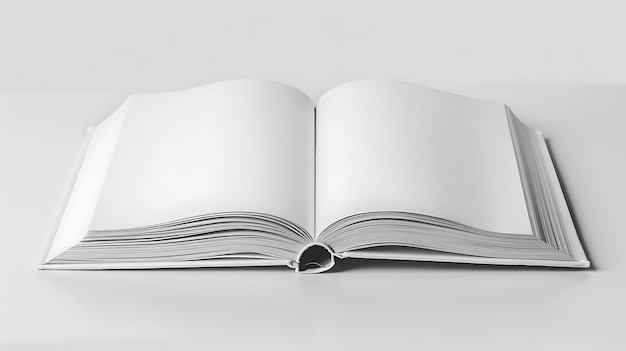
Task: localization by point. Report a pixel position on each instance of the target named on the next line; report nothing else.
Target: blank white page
(239, 145)
(392, 146)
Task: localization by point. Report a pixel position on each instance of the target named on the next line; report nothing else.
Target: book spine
(315, 257)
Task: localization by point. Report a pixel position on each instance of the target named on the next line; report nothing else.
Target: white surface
(392, 146)
(140, 46)
(361, 304)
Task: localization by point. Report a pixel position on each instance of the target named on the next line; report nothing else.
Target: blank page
(233, 146)
(392, 146)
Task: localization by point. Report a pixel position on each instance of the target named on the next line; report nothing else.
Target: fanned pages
(247, 173)
(220, 171)
(385, 146)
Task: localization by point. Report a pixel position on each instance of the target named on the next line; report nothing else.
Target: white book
(254, 173)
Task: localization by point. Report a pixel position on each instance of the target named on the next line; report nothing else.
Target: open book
(253, 173)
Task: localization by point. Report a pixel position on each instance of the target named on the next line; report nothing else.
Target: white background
(65, 65)
(157, 45)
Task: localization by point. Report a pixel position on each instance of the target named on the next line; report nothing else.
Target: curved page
(232, 146)
(391, 146)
